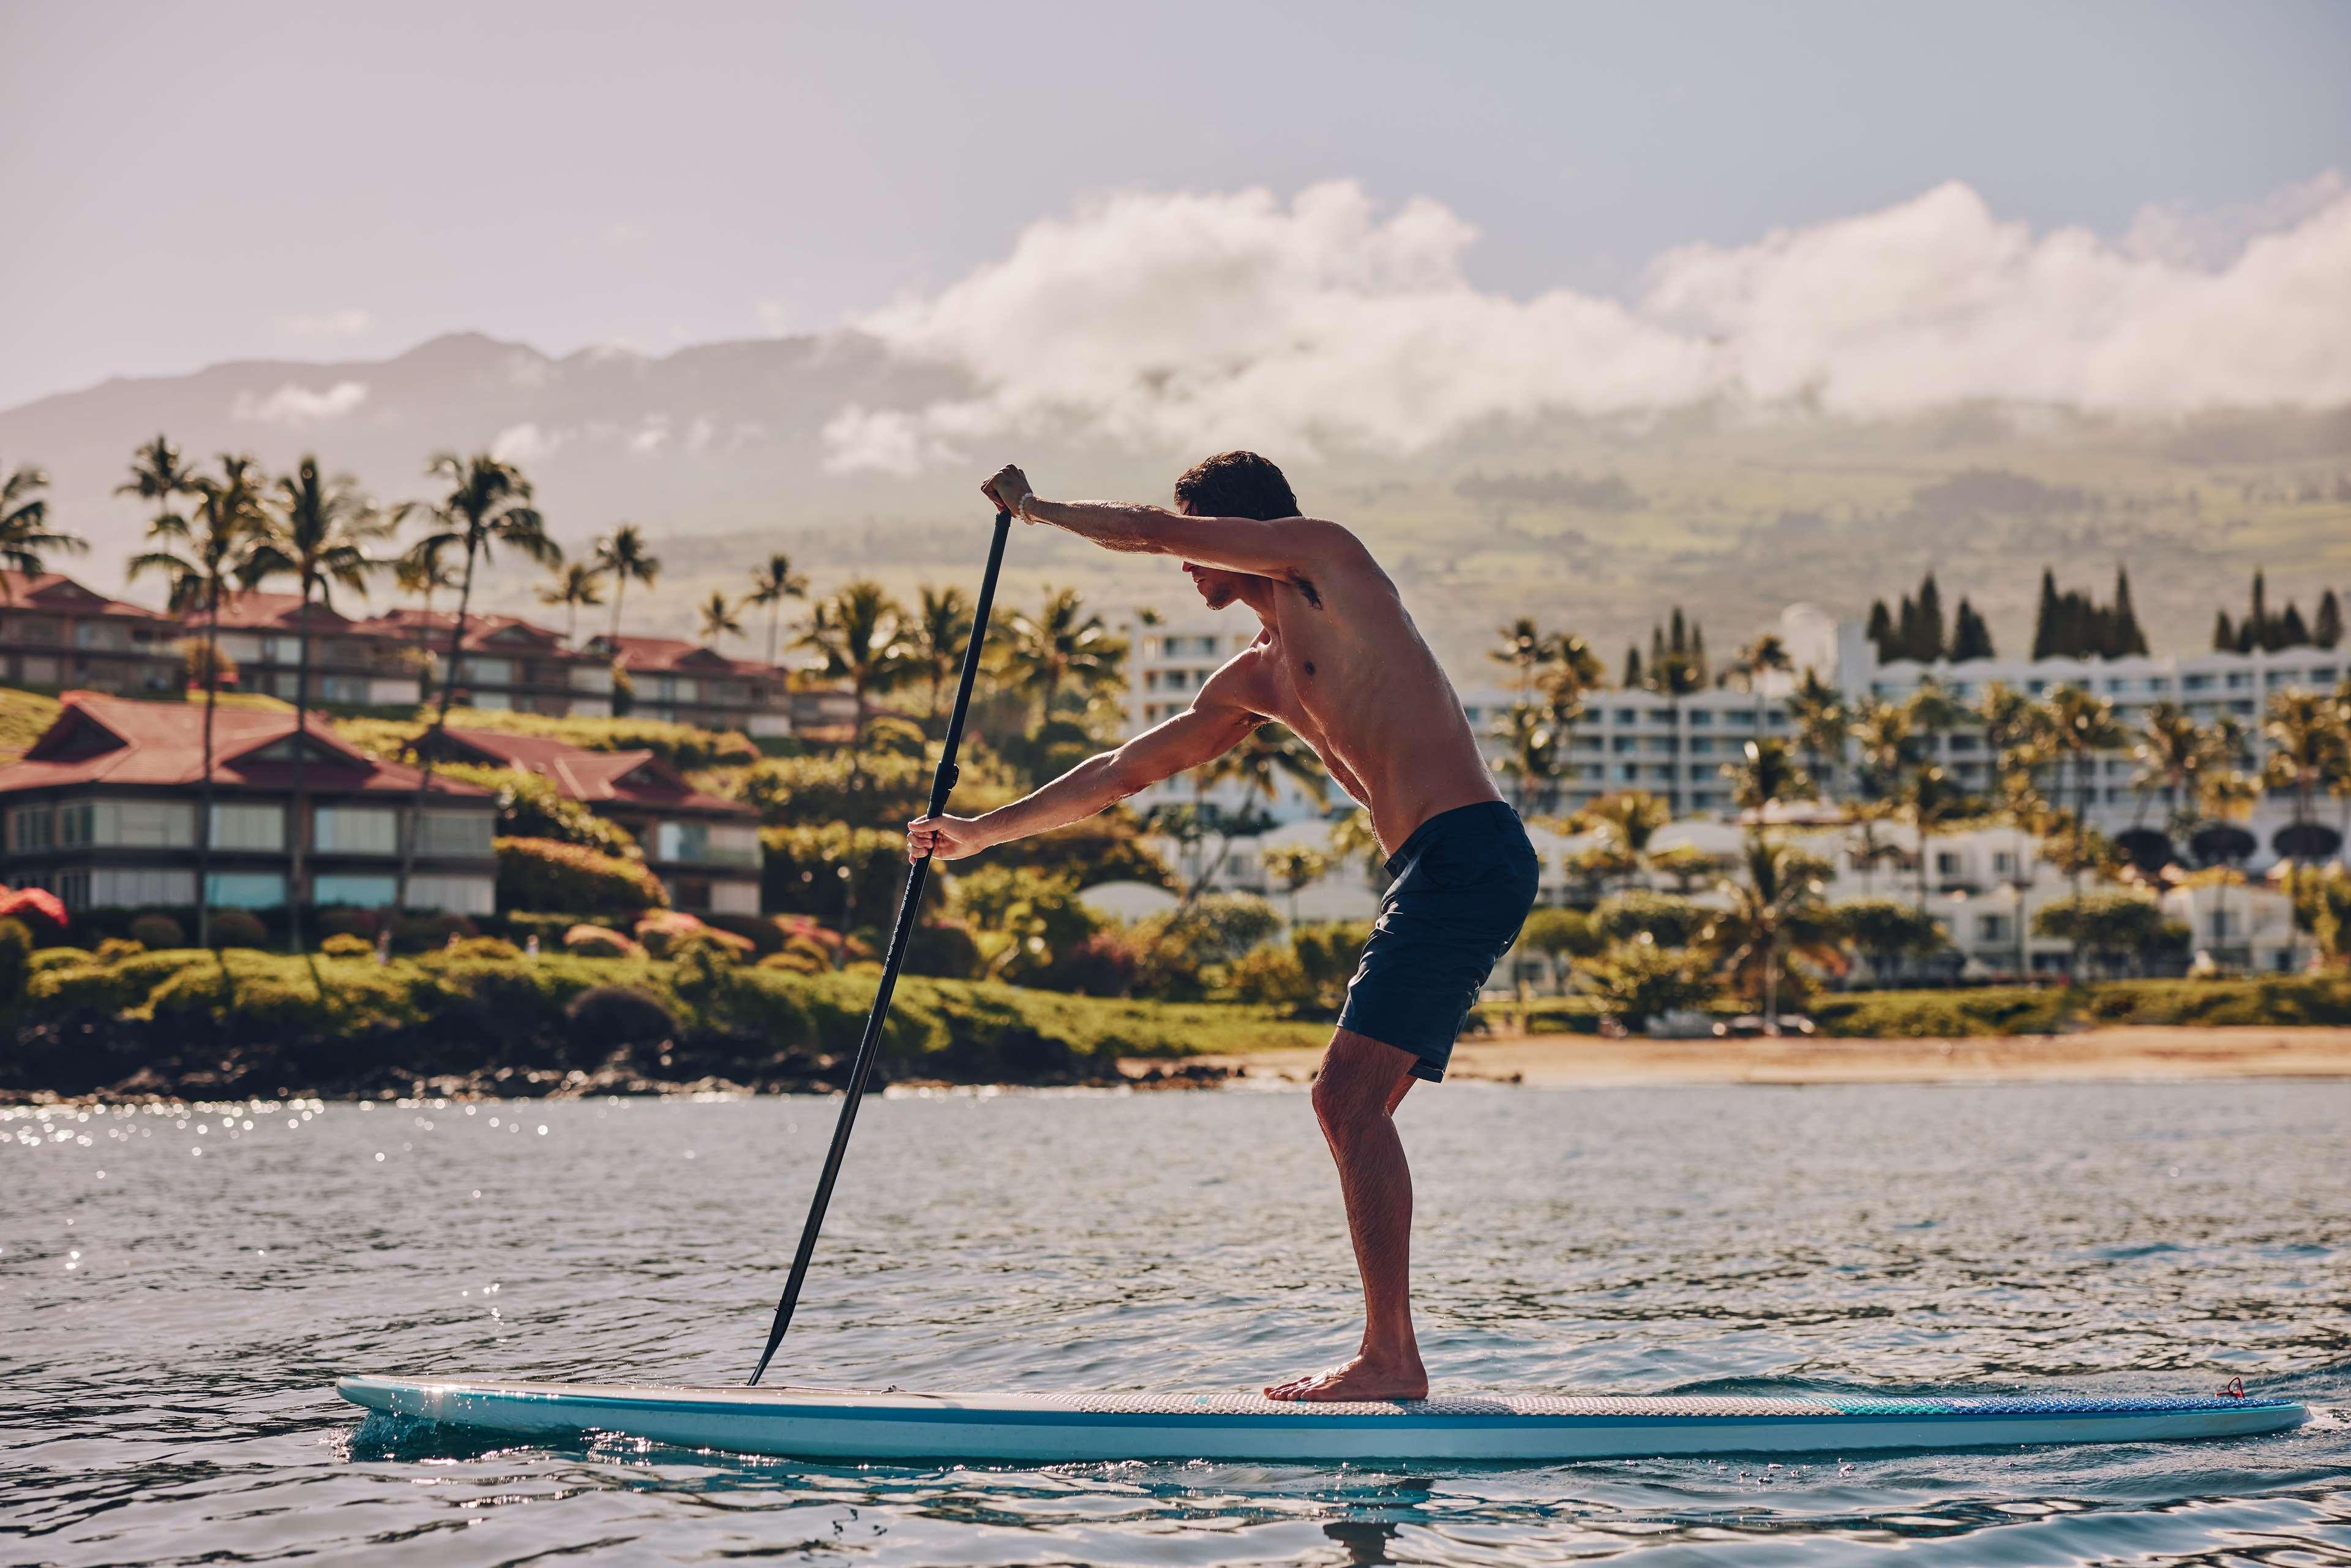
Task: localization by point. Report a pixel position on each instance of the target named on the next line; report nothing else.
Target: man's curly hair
(1236, 485)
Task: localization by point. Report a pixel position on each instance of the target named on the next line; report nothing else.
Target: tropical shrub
(238, 928)
(541, 874)
(1563, 934)
(765, 934)
(114, 949)
(1639, 979)
(611, 1018)
(829, 871)
(16, 960)
(599, 942)
(156, 931)
(344, 944)
(491, 947)
(1022, 921)
(1666, 921)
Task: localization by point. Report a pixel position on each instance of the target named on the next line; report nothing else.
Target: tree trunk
(299, 827)
(775, 630)
(204, 796)
(433, 731)
(620, 591)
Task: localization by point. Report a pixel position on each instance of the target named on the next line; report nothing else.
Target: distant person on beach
(1340, 662)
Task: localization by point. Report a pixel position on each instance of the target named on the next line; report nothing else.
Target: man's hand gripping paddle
(868, 1046)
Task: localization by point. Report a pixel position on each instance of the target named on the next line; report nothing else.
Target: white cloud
(526, 443)
(651, 436)
(775, 317)
(298, 405)
(1201, 321)
(327, 324)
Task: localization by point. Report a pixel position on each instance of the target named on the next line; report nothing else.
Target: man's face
(1216, 586)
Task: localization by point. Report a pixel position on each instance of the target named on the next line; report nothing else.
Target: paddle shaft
(868, 1046)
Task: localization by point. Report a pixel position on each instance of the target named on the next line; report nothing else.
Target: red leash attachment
(2233, 1389)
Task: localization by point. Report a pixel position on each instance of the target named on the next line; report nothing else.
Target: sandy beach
(1555, 1060)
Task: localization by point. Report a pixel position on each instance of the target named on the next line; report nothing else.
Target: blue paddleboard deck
(827, 1424)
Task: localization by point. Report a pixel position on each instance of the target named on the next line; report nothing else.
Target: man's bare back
(1339, 661)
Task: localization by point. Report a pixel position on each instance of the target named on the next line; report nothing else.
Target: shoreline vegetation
(472, 1020)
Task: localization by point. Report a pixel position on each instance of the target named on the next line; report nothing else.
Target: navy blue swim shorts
(1463, 885)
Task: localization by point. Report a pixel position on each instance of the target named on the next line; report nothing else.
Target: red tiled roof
(481, 630)
(103, 739)
(622, 778)
(674, 653)
(55, 591)
(255, 610)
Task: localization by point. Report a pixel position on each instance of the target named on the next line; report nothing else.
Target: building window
(248, 826)
(486, 672)
(455, 894)
(457, 833)
(356, 831)
(246, 889)
(2004, 863)
(1946, 863)
(141, 887)
(1991, 927)
(361, 890)
(30, 828)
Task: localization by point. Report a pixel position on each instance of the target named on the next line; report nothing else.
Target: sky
(188, 184)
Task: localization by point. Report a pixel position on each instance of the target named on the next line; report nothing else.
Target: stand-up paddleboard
(818, 1423)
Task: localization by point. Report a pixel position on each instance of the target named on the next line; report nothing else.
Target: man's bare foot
(1361, 1376)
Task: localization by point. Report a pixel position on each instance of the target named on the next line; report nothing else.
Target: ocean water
(170, 1329)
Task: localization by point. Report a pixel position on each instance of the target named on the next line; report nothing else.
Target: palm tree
(1929, 801)
(1063, 644)
(24, 536)
(423, 570)
(2081, 725)
(1776, 912)
(937, 636)
(199, 555)
(2173, 750)
(720, 619)
(1933, 710)
(859, 634)
(1531, 754)
(1767, 655)
(624, 560)
(1266, 757)
(2229, 794)
(1292, 868)
(1767, 777)
(1822, 721)
(770, 585)
(1628, 819)
(319, 532)
(1882, 734)
(2305, 730)
(576, 585)
(1675, 676)
(1526, 650)
(487, 507)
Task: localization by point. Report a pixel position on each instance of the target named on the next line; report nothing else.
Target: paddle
(910, 902)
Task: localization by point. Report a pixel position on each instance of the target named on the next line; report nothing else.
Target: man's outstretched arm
(1284, 547)
(1187, 740)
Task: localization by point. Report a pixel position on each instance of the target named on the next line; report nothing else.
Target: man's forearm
(1093, 784)
(1114, 525)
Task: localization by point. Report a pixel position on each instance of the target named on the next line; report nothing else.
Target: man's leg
(1355, 1097)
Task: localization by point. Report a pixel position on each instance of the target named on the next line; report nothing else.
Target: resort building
(103, 812)
(56, 634)
(1677, 748)
(506, 663)
(672, 679)
(705, 848)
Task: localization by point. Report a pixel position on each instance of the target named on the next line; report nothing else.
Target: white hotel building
(1636, 739)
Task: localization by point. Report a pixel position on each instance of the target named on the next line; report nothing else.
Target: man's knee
(1358, 1081)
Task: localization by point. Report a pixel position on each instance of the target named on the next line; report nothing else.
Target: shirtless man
(1340, 662)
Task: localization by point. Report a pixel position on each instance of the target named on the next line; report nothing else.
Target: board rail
(844, 1424)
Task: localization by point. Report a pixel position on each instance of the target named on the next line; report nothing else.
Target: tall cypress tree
(1928, 643)
(2257, 627)
(1632, 681)
(2224, 636)
(2326, 628)
(2128, 640)
(1697, 651)
(1971, 635)
(1677, 632)
(2045, 619)
(1881, 630)
(2291, 632)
